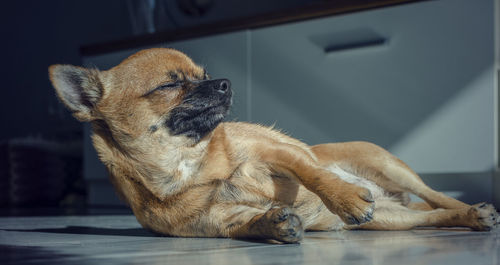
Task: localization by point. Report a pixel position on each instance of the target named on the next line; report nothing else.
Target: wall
(496, 183)
(426, 93)
(36, 34)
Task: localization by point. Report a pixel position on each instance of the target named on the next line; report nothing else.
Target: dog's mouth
(202, 109)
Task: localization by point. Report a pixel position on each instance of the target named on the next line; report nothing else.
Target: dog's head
(155, 91)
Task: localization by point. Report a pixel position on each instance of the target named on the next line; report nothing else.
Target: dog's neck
(163, 164)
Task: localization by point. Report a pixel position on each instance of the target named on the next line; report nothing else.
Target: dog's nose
(224, 85)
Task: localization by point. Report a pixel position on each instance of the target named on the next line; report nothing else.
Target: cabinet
(417, 79)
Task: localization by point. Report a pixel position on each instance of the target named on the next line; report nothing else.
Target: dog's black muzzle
(210, 93)
(222, 86)
(202, 109)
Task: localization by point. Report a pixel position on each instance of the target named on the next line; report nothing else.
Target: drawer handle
(340, 47)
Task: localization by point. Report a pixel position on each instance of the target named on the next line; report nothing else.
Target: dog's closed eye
(175, 84)
(171, 85)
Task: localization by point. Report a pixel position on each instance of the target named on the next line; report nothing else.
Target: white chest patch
(186, 169)
(376, 191)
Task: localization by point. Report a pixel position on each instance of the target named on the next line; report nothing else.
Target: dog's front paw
(484, 217)
(354, 206)
(284, 225)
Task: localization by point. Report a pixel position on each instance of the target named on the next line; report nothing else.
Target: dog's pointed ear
(78, 88)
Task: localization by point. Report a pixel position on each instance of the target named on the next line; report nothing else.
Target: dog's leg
(421, 206)
(278, 223)
(353, 204)
(400, 174)
(390, 215)
(378, 165)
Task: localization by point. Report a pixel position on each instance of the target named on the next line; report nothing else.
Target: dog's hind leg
(277, 223)
(421, 206)
(407, 179)
(384, 169)
(391, 215)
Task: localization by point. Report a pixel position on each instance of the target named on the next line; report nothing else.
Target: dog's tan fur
(240, 180)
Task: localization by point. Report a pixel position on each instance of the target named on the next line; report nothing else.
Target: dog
(157, 121)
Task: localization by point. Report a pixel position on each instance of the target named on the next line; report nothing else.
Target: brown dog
(157, 123)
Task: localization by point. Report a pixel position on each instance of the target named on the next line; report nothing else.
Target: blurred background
(419, 78)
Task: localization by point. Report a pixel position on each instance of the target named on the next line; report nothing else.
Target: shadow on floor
(84, 230)
(30, 254)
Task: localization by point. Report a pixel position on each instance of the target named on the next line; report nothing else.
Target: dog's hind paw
(285, 225)
(484, 217)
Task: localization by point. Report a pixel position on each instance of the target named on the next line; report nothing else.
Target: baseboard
(496, 189)
(473, 187)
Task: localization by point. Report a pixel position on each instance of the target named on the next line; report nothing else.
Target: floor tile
(119, 239)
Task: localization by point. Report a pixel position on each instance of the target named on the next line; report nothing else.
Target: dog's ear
(78, 88)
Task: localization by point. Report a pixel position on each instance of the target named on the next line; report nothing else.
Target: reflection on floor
(120, 240)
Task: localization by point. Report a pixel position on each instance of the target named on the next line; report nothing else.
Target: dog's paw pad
(485, 216)
(287, 226)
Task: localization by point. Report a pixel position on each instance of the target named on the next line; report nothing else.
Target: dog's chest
(180, 168)
(187, 169)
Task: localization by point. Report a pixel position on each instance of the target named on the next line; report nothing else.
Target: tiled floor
(120, 240)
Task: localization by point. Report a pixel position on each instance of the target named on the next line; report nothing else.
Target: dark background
(40, 142)
(37, 34)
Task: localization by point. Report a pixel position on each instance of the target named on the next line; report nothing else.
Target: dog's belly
(377, 191)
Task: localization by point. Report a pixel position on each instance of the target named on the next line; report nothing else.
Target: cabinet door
(416, 79)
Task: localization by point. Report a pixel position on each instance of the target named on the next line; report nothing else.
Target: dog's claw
(364, 219)
(353, 221)
(369, 216)
(484, 217)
